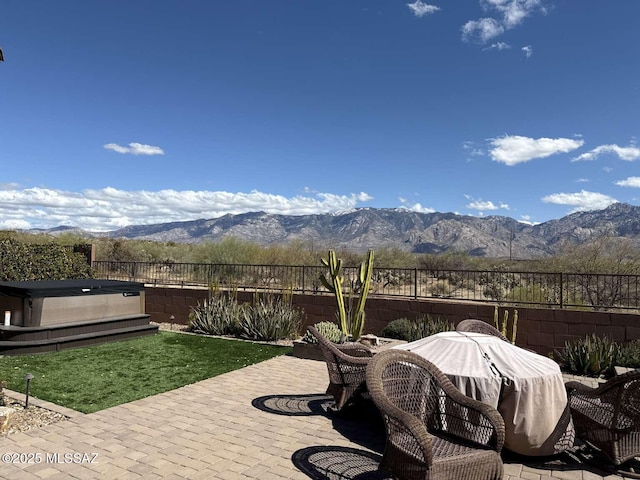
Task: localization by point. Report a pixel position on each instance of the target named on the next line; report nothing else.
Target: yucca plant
(430, 325)
(270, 318)
(219, 314)
(591, 356)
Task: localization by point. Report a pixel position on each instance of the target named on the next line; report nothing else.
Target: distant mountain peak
(363, 228)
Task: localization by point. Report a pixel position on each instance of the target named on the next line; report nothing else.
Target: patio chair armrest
(616, 382)
(579, 387)
(355, 349)
(474, 421)
(348, 360)
(405, 430)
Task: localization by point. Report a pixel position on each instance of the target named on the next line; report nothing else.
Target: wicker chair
(347, 366)
(433, 430)
(608, 417)
(478, 326)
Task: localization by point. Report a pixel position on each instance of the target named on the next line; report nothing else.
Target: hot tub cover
(68, 288)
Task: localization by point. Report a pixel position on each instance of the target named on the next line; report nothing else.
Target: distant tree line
(20, 261)
(39, 255)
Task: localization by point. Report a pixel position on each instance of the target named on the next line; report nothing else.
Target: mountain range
(358, 230)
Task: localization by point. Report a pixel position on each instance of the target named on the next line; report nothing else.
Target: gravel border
(38, 414)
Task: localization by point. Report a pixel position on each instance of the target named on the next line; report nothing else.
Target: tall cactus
(351, 320)
(364, 284)
(335, 286)
(503, 326)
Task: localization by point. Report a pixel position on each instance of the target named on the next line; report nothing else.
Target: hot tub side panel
(59, 310)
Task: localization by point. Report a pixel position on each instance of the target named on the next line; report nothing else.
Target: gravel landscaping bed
(33, 417)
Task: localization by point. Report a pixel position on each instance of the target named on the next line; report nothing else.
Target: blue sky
(125, 112)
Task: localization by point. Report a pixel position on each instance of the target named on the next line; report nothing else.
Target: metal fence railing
(554, 290)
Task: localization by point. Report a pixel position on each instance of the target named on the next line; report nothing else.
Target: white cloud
(481, 30)
(526, 219)
(582, 200)
(415, 207)
(511, 13)
(420, 9)
(110, 208)
(135, 149)
(498, 46)
(528, 51)
(14, 224)
(629, 182)
(514, 149)
(472, 149)
(488, 205)
(629, 153)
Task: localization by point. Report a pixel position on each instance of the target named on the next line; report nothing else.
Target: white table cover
(526, 388)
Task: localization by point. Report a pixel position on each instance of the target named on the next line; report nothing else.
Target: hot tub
(45, 315)
(42, 303)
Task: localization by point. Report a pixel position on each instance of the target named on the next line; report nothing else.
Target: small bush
(399, 329)
(270, 318)
(629, 355)
(410, 330)
(328, 330)
(591, 356)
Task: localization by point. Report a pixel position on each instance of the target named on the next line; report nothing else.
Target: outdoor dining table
(526, 388)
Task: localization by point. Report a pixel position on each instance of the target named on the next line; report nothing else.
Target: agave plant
(270, 318)
(219, 314)
(590, 356)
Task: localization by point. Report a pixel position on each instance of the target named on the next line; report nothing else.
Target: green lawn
(98, 377)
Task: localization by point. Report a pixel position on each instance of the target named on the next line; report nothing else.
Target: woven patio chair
(347, 367)
(608, 417)
(433, 430)
(478, 326)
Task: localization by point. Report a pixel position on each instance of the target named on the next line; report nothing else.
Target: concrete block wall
(541, 330)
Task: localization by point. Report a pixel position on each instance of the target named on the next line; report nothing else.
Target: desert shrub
(393, 257)
(219, 314)
(410, 330)
(21, 261)
(439, 289)
(450, 260)
(328, 330)
(590, 356)
(629, 355)
(270, 318)
(399, 329)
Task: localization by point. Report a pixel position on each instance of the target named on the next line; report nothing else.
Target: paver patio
(267, 421)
